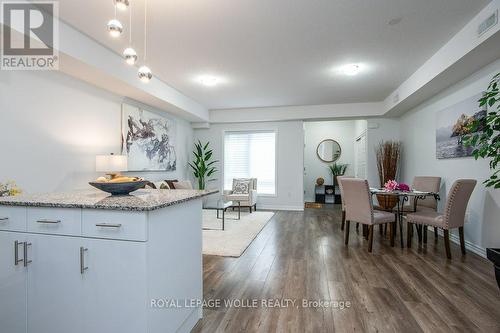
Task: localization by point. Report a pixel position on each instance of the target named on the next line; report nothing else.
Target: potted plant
(203, 165)
(388, 155)
(337, 170)
(485, 139)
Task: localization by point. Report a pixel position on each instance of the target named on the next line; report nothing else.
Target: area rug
(238, 234)
(312, 205)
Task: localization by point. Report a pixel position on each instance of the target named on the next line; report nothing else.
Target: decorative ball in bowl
(122, 186)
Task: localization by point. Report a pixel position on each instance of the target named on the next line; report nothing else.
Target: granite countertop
(141, 200)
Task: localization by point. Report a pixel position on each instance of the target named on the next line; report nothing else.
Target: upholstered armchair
(244, 191)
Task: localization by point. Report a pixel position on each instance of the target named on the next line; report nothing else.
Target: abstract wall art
(148, 139)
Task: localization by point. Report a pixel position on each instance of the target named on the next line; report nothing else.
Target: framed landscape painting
(148, 139)
(452, 124)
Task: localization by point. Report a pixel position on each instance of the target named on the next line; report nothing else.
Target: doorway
(351, 137)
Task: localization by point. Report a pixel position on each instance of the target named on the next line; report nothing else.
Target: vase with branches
(388, 157)
(203, 167)
(485, 133)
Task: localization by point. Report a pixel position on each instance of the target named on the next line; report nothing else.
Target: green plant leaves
(202, 164)
(487, 143)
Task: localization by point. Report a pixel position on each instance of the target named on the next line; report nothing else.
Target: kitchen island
(87, 262)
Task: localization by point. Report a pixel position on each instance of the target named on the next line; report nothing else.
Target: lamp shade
(111, 163)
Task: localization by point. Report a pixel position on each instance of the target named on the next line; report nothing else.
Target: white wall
(418, 134)
(53, 125)
(379, 130)
(342, 131)
(289, 160)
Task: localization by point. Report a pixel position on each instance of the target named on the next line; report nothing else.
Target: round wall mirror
(328, 150)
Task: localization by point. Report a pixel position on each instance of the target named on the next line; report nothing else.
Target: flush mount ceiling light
(350, 69)
(115, 28)
(121, 4)
(208, 80)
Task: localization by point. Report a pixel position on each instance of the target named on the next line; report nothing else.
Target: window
(251, 155)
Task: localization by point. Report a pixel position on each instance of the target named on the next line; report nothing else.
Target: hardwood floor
(301, 255)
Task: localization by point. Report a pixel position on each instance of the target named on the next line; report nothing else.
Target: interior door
(54, 284)
(360, 157)
(13, 307)
(115, 286)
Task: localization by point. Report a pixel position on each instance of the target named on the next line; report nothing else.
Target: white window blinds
(251, 155)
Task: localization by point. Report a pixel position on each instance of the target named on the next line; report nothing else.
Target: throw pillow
(241, 186)
(184, 185)
(164, 186)
(150, 185)
(170, 183)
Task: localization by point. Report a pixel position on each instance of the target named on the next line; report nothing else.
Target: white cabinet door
(115, 287)
(13, 312)
(54, 284)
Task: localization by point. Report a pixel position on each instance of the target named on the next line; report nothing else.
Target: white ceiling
(281, 52)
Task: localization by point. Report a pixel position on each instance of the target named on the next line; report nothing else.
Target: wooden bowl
(119, 188)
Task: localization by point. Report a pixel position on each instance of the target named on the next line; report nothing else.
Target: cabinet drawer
(13, 218)
(55, 221)
(115, 224)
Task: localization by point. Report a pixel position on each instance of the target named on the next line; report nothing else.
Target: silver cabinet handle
(83, 268)
(25, 256)
(16, 252)
(48, 221)
(108, 225)
(4, 219)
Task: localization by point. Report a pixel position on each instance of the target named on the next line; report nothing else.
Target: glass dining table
(402, 197)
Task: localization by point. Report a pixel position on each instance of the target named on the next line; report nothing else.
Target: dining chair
(339, 180)
(359, 208)
(453, 215)
(424, 184)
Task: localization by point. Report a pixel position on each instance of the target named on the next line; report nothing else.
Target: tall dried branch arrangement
(388, 156)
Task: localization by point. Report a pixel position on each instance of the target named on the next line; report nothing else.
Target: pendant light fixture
(129, 53)
(121, 4)
(144, 72)
(115, 28)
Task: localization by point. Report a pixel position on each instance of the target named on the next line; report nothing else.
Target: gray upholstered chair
(339, 179)
(424, 184)
(453, 215)
(359, 208)
(248, 199)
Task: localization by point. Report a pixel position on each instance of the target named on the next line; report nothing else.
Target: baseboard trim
(474, 248)
(280, 207)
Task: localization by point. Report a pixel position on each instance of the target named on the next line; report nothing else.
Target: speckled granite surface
(142, 200)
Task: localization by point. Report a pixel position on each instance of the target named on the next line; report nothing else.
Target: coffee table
(221, 206)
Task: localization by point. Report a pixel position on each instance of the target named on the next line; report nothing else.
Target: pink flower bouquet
(391, 185)
(403, 187)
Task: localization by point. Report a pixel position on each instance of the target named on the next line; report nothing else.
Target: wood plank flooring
(301, 255)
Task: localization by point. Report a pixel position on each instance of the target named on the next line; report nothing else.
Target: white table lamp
(111, 164)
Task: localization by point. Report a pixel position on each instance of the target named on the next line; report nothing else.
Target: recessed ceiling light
(208, 80)
(351, 69)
